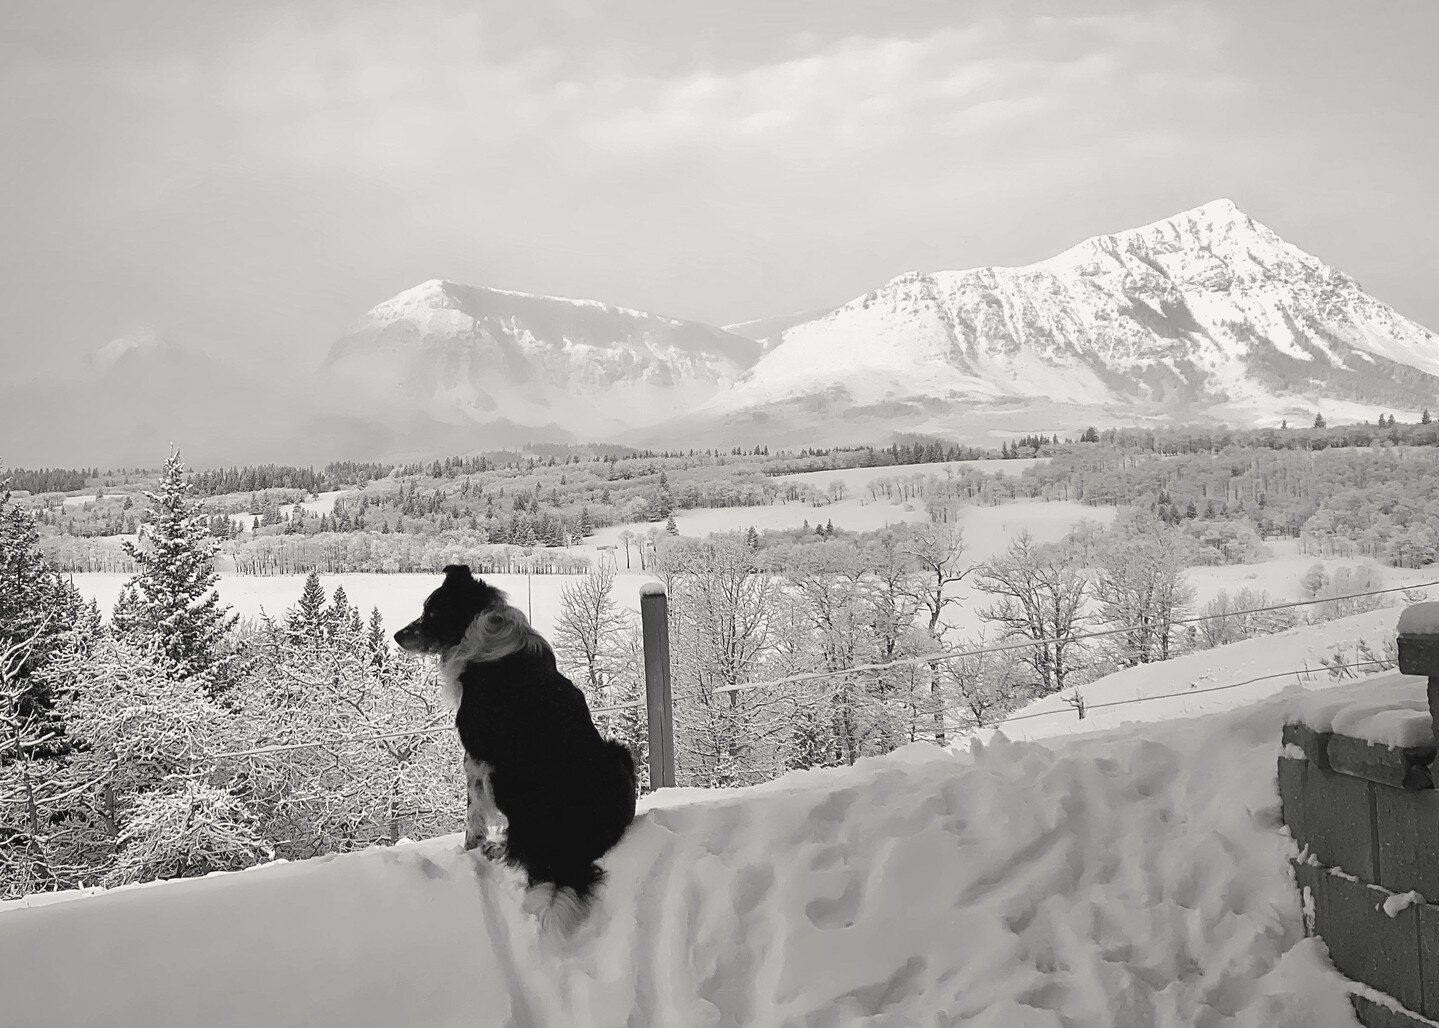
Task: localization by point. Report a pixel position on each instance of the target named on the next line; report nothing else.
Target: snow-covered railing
(1357, 791)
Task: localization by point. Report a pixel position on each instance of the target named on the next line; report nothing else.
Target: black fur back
(567, 792)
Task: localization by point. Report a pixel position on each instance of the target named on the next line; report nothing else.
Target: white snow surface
(1420, 619)
(1122, 878)
(1388, 710)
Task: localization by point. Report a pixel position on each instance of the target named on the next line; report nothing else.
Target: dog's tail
(574, 891)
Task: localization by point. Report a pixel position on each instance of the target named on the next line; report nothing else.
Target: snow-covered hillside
(1124, 878)
(1206, 314)
(1211, 680)
(452, 351)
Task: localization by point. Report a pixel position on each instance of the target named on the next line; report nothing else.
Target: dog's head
(449, 611)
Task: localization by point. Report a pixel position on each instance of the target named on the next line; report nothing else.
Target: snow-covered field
(859, 478)
(987, 531)
(324, 503)
(854, 513)
(1123, 878)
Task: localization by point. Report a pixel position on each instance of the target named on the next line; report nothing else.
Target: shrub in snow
(1228, 618)
(191, 830)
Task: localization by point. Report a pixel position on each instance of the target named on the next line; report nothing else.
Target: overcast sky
(254, 176)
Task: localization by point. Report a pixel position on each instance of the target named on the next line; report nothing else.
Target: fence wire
(930, 658)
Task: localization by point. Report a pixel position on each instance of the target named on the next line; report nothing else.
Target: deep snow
(1134, 877)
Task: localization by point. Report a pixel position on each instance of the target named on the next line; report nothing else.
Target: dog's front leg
(483, 819)
(475, 784)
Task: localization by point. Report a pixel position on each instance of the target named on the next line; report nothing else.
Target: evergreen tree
(671, 527)
(41, 616)
(1319, 421)
(341, 616)
(376, 641)
(751, 538)
(308, 619)
(175, 602)
(1425, 418)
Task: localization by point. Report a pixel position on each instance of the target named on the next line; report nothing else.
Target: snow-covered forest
(168, 736)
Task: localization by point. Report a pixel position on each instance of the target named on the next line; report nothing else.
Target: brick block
(1314, 744)
(1419, 655)
(1429, 959)
(1367, 945)
(1376, 1015)
(1339, 822)
(1407, 825)
(1400, 767)
(1292, 773)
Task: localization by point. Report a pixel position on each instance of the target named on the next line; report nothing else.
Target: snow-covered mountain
(126, 401)
(465, 354)
(1207, 315)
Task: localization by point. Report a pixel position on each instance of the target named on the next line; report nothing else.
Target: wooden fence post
(654, 618)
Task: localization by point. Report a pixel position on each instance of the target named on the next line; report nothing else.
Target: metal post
(654, 619)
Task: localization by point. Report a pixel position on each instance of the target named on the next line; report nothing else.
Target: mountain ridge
(1208, 312)
(1204, 316)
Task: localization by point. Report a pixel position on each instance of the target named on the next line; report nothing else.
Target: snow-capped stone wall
(1358, 796)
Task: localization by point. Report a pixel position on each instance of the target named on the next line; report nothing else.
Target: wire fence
(1030, 643)
(1296, 673)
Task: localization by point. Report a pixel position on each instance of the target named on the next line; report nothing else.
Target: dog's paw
(493, 849)
(473, 841)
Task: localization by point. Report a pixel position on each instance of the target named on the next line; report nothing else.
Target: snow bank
(1124, 878)
(1388, 710)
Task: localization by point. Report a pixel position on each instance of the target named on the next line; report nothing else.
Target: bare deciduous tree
(1039, 594)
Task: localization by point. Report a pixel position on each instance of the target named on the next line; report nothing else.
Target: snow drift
(1121, 878)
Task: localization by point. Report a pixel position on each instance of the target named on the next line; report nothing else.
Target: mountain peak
(1216, 210)
(1217, 217)
(144, 340)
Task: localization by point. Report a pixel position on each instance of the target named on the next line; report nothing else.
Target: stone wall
(1366, 819)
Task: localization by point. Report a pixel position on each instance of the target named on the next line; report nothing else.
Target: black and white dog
(537, 772)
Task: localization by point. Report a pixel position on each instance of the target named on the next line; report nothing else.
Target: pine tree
(308, 619)
(41, 616)
(175, 602)
(1425, 418)
(341, 617)
(1319, 421)
(671, 527)
(376, 641)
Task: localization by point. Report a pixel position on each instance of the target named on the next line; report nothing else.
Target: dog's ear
(458, 573)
